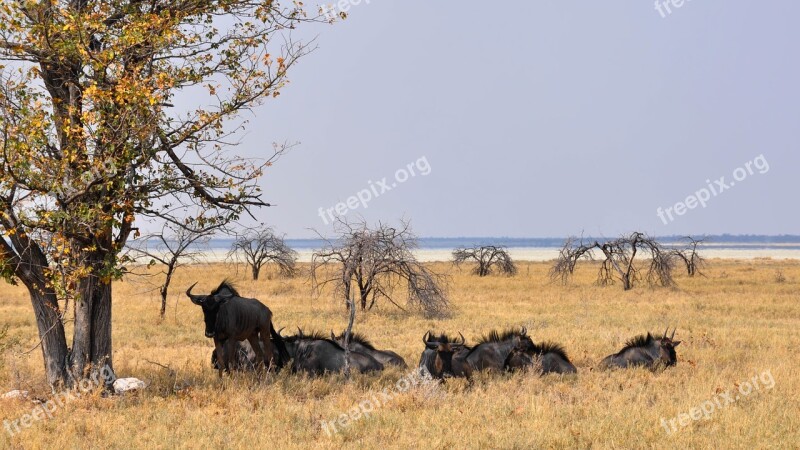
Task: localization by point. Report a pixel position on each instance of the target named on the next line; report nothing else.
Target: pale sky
(542, 118)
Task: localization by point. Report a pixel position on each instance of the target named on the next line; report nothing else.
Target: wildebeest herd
(245, 339)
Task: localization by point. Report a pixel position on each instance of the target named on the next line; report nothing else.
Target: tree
(487, 257)
(371, 263)
(569, 255)
(619, 260)
(260, 247)
(90, 141)
(171, 248)
(690, 257)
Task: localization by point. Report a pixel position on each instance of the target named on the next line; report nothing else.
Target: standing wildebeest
(359, 343)
(548, 357)
(645, 351)
(493, 350)
(230, 318)
(444, 357)
(316, 355)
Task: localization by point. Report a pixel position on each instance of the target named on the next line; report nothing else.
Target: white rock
(122, 385)
(16, 393)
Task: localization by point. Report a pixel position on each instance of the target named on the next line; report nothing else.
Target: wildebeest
(444, 357)
(315, 354)
(230, 318)
(548, 357)
(518, 360)
(645, 350)
(359, 343)
(493, 350)
(244, 358)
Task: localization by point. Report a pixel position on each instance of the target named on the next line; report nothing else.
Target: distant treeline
(450, 243)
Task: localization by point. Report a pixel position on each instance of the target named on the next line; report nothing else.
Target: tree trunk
(164, 291)
(256, 271)
(626, 282)
(163, 310)
(91, 346)
(348, 332)
(53, 338)
(91, 343)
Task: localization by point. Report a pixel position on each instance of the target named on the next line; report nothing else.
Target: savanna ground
(740, 321)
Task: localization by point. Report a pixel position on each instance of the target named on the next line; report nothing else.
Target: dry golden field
(741, 321)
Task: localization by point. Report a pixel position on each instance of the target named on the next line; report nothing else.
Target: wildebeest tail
(283, 353)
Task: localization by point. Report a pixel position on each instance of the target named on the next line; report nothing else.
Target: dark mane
(638, 342)
(359, 338)
(550, 347)
(313, 336)
(226, 284)
(494, 336)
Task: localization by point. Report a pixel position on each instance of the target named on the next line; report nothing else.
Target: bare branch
(619, 263)
(690, 256)
(258, 247)
(370, 263)
(172, 248)
(487, 257)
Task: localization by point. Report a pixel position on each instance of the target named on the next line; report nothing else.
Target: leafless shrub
(619, 263)
(568, 257)
(779, 276)
(173, 247)
(257, 247)
(487, 257)
(371, 263)
(690, 257)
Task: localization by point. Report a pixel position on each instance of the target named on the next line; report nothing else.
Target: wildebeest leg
(222, 363)
(265, 339)
(253, 339)
(230, 353)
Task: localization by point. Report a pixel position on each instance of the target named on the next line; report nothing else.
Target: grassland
(739, 321)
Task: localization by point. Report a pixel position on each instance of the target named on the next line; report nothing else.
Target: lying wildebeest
(493, 350)
(548, 357)
(444, 357)
(244, 358)
(230, 318)
(315, 354)
(645, 351)
(359, 343)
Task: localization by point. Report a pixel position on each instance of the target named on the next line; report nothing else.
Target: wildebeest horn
(524, 331)
(196, 299)
(463, 341)
(299, 331)
(673, 332)
(425, 338)
(666, 331)
(279, 332)
(333, 335)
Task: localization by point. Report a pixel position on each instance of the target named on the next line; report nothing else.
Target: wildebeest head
(523, 342)
(667, 348)
(211, 303)
(493, 349)
(444, 349)
(517, 360)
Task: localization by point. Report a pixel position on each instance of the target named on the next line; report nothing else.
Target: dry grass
(736, 323)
